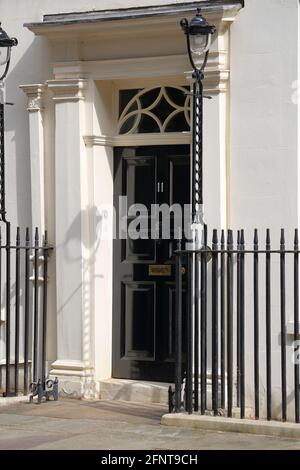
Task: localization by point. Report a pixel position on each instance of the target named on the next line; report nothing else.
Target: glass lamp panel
(198, 43)
(208, 43)
(4, 55)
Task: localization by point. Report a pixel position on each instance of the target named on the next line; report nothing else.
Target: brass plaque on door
(160, 270)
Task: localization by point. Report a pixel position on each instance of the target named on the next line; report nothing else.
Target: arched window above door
(154, 110)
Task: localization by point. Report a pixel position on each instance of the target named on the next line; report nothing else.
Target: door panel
(144, 270)
(138, 312)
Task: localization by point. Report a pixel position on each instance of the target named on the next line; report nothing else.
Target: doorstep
(220, 424)
(137, 391)
(7, 401)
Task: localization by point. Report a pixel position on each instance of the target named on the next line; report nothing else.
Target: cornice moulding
(125, 22)
(138, 139)
(102, 141)
(137, 68)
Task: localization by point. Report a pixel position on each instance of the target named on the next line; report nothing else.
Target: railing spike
(268, 239)
(242, 240)
(215, 237)
(230, 237)
(222, 237)
(296, 239)
(255, 240)
(282, 238)
(46, 239)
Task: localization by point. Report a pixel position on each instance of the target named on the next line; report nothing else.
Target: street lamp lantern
(6, 43)
(198, 34)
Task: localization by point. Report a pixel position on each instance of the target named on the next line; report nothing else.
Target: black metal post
(296, 325)
(26, 312)
(203, 321)
(189, 373)
(45, 292)
(242, 324)
(17, 312)
(215, 326)
(8, 323)
(238, 327)
(178, 331)
(283, 326)
(200, 27)
(256, 323)
(229, 322)
(36, 307)
(268, 327)
(196, 330)
(197, 149)
(222, 315)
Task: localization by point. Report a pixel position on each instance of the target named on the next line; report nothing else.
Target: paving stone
(73, 424)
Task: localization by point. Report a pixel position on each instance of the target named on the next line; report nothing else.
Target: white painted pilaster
(74, 364)
(35, 108)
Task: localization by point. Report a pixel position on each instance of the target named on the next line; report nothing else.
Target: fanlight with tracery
(159, 109)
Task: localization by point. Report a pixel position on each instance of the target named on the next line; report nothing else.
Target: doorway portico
(96, 55)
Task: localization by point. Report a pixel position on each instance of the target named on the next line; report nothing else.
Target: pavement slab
(112, 425)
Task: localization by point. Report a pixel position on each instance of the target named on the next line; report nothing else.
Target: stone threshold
(222, 424)
(7, 401)
(136, 391)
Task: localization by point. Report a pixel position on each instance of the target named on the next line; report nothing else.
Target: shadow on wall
(82, 259)
(74, 234)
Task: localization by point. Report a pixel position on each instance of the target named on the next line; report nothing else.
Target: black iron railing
(233, 290)
(23, 290)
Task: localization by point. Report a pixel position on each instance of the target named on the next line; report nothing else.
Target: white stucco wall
(264, 176)
(264, 121)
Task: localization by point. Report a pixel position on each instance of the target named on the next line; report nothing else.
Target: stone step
(135, 391)
(151, 392)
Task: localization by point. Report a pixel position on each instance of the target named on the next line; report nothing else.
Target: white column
(36, 138)
(100, 156)
(74, 364)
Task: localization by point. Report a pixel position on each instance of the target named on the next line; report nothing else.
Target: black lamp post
(6, 43)
(198, 37)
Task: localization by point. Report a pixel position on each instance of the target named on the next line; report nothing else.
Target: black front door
(144, 269)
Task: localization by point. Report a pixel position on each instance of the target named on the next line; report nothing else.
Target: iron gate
(237, 309)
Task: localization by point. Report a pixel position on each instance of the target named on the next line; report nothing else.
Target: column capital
(34, 94)
(71, 89)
